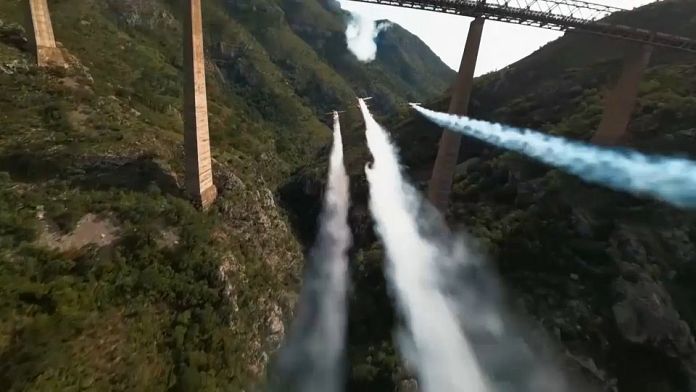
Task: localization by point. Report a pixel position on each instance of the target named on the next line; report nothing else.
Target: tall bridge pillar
(440, 184)
(199, 173)
(42, 39)
(621, 101)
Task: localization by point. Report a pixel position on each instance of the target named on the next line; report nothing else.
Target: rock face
(89, 230)
(650, 328)
(147, 14)
(645, 315)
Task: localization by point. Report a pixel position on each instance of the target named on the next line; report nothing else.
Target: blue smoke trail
(669, 179)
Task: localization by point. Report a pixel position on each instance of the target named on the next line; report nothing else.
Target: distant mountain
(405, 68)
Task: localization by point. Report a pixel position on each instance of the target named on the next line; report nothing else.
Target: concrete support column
(199, 173)
(42, 39)
(621, 101)
(440, 184)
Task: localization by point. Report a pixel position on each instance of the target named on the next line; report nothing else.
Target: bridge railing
(561, 15)
(575, 9)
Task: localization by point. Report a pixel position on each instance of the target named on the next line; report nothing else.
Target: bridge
(562, 15)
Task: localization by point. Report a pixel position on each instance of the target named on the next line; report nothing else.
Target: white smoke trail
(672, 180)
(312, 358)
(361, 34)
(437, 345)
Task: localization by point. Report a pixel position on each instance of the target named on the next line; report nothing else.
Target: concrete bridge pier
(440, 184)
(42, 39)
(198, 166)
(621, 100)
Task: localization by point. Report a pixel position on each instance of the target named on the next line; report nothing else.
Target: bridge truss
(561, 15)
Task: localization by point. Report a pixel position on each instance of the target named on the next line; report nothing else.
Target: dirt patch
(90, 230)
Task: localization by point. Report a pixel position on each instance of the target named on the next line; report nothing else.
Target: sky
(502, 43)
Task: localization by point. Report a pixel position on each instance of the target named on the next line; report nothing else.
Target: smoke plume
(456, 332)
(312, 358)
(672, 180)
(361, 34)
(433, 340)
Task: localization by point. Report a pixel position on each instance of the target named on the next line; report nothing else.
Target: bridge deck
(562, 15)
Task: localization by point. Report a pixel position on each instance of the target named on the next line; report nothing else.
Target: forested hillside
(109, 278)
(609, 277)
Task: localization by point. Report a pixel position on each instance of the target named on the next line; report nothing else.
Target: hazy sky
(502, 43)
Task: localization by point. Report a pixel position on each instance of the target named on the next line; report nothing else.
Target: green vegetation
(608, 276)
(162, 297)
(165, 297)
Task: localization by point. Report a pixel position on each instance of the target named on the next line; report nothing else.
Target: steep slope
(306, 41)
(608, 276)
(92, 157)
(110, 279)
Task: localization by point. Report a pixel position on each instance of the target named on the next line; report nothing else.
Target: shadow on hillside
(13, 35)
(138, 174)
(301, 197)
